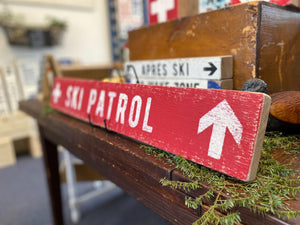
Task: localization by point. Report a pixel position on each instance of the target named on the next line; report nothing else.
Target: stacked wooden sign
(197, 72)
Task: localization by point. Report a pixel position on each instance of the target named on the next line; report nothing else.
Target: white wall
(87, 38)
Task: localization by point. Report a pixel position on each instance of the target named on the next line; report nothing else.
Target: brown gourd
(286, 106)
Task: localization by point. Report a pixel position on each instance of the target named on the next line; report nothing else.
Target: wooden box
(263, 38)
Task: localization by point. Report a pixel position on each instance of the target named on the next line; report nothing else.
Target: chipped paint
(234, 51)
(173, 132)
(281, 45)
(253, 71)
(248, 30)
(190, 33)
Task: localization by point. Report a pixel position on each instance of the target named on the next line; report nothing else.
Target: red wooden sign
(219, 129)
(162, 10)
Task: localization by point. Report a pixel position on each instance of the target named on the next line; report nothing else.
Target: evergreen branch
(47, 109)
(274, 186)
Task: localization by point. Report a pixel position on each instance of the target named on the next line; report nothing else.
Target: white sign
(12, 86)
(186, 83)
(208, 68)
(29, 74)
(3, 101)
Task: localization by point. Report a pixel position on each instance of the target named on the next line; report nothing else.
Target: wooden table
(120, 160)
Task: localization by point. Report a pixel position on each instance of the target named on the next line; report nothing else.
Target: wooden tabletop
(122, 161)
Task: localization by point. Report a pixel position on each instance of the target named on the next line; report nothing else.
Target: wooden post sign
(220, 129)
(196, 72)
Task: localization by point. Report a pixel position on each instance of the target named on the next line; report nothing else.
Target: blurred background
(40, 39)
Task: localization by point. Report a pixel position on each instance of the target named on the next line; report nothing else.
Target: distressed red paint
(178, 120)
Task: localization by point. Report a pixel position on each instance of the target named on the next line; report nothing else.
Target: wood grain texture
(210, 127)
(262, 38)
(231, 31)
(121, 160)
(279, 48)
(50, 157)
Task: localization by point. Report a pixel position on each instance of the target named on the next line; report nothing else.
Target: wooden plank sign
(209, 68)
(208, 84)
(220, 129)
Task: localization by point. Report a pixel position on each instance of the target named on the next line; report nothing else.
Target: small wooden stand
(15, 127)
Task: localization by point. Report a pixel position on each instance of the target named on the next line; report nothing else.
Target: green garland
(275, 185)
(47, 109)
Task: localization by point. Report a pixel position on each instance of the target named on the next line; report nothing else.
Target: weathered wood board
(263, 39)
(184, 83)
(219, 129)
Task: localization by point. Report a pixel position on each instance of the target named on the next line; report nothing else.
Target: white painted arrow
(222, 116)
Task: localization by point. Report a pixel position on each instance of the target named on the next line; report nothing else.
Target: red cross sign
(162, 10)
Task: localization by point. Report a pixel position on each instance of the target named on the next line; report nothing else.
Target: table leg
(50, 156)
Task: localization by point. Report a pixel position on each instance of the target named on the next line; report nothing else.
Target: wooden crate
(262, 37)
(13, 127)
